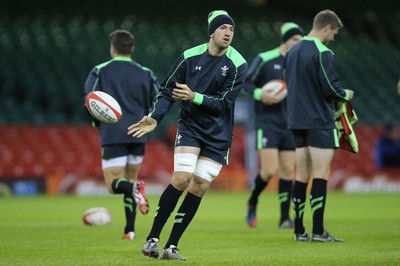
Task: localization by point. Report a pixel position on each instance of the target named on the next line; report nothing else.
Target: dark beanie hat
(289, 29)
(217, 18)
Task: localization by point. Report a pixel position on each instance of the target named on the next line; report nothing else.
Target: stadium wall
(66, 159)
(49, 47)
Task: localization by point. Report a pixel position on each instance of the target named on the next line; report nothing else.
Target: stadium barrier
(66, 159)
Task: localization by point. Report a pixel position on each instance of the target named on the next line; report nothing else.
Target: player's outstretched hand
(146, 125)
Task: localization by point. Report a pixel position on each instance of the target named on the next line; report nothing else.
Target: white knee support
(207, 170)
(122, 161)
(185, 162)
(114, 162)
(135, 159)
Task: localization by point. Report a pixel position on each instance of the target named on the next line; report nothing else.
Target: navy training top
(265, 67)
(313, 85)
(133, 86)
(217, 82)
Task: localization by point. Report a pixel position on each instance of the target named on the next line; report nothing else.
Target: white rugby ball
(97, 216)
(276, 88)
(103, 107)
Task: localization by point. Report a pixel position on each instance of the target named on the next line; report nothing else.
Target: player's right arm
(329, 79)
(252, 87)
(164, 100)
(161, 104)
(144, 126)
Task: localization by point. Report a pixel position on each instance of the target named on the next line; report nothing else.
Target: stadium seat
(57, 50)
(82, 41)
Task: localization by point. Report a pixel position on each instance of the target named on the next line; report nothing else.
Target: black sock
(123, 186)
(317, 201)
(285, 194)
(299, 202)
(256, 189)
(166, 205)
(183, 218)
(130, 213)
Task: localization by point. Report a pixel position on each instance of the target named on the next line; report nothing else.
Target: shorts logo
(224, 70)
(277, 67)
(178, 138)
(197, 68)
(264, 141)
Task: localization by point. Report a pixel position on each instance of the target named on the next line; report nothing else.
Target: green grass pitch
(48, 230)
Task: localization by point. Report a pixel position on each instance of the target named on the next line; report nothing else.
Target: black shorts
(280, 139)
(118, 150)
(320, 138)
(185, 138)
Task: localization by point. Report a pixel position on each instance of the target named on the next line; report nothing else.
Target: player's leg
(125, 187)
(132, 172)
(112, 173)
(321, 161)
(267, 146)
(269, 167)
(302, 175)
(121, 164)
(185, 159)
(322, 144)
(206, 171)
(114, 170)
(287, 161)
(303, 172)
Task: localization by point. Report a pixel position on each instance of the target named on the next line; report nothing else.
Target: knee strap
(207, 170)
(185, 162)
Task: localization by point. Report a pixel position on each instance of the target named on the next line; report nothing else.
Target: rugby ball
(97, 216)
(103, 107)
(276, 88)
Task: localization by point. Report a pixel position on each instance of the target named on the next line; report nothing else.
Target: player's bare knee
(199, 186)
(198, 191)
(181, 180)
(267, 175)
(287, 174)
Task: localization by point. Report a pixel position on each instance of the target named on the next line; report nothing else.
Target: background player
(274, 141)
(134, 87)
(313, 89)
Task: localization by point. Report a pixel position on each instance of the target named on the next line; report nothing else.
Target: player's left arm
(330, 80)
(92, 81)
(226, 96)
(92, 84)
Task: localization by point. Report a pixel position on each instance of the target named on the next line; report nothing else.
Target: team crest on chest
(224, 70)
